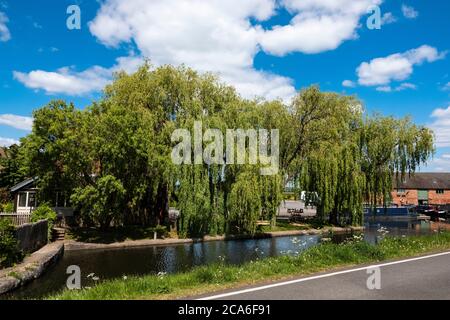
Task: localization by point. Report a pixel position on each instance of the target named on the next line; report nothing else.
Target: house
(421, 189)
(25, 196)
(26, 200)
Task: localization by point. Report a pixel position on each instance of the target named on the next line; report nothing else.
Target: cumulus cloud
(401, 87)
(6, 142)
(5, 35)
(396, 67)
(15, 121)
(318, 25)
(440, 163)
(409, 12)
(388, 18)
(216, 36)
(441, 126)
(68, 81)
(348, 84)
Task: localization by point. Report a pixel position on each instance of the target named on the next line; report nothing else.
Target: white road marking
(234, 293)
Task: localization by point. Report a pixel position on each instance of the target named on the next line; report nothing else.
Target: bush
(7, 207)
(44, 212)
(101, 203)
(9, 252)
(161, 231)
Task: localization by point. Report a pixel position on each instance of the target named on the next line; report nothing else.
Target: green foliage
(114, 157)
(11, 167)
(9, 252)
(213, 277)
(244, 204)
(7, 207)
(44, 212)
(102, 203)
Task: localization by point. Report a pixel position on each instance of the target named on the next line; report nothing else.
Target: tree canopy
(113, 159)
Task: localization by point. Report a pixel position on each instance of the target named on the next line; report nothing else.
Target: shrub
(161, 231)
(101, 203)
(9, 251)
(7, 207)
(44, 212)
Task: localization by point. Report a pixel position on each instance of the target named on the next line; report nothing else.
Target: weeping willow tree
(346, 160)
(326, 146)
(391, 148)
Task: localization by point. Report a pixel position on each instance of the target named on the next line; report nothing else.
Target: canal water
(117, 263)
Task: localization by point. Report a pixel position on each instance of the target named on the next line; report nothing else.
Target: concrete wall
(32, 236)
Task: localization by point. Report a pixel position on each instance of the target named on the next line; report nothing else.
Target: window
(61, 200)
(401, 191)
(31, 199)
(440, 191)
(22, 200)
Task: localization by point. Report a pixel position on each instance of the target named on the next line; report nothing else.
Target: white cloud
(441, 126)
(388, 18)
(214, 35)
(348, 84)
(439, 164)
(68, 81)
(396, 67)
(409, 12)
(318, 25)
(384, 89)
(401, 87)
(446, 86)
(219, 36)
(15, 121)
(6, 142)
(5, 35)
(406, 85)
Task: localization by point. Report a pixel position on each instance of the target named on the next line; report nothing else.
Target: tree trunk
(162, 204)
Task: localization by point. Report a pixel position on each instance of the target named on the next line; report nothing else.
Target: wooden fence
(17, 219)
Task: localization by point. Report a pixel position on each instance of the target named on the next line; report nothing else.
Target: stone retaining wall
(31, 268)
(32, 236)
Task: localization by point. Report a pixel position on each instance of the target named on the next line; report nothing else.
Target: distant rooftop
(425, 180)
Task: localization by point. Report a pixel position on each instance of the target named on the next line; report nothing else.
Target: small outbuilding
(26, 199)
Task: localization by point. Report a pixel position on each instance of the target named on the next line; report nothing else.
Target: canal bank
(221, 276)
(180, 257)
(31, 268)
(71, 245)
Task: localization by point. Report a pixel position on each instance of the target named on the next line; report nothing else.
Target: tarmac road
(423, 278)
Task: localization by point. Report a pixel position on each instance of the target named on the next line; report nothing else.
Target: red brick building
(422, 189)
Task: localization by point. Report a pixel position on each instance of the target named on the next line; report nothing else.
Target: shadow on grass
(115, 234)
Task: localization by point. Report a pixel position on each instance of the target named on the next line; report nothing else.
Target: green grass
(219, 276)
(283, 226)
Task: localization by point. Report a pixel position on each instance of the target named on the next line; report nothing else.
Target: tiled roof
(425, 181)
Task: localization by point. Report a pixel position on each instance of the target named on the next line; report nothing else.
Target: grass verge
(219, 276)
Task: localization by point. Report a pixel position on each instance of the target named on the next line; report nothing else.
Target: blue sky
(267, 48)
